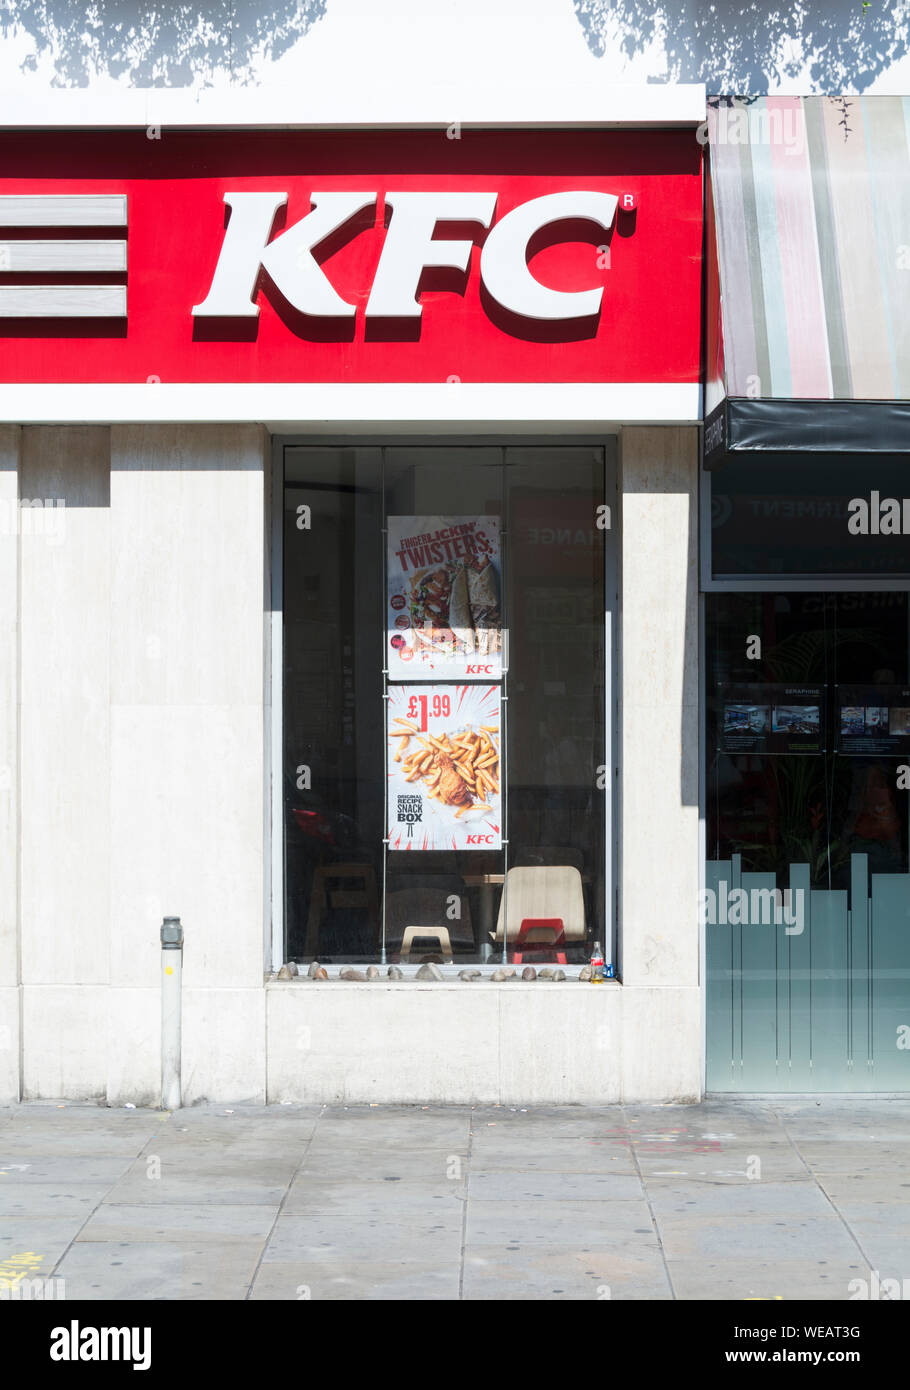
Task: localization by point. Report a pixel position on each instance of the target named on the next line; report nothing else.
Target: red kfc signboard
(370, 257)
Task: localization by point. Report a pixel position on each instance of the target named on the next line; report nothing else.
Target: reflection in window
(541, 897)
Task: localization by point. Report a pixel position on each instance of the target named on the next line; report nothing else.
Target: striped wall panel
(811, 197)
(22, 255)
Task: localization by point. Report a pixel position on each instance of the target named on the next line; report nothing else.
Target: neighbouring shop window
(445, 702)
(780, 514)
(807, 899)
(804, 741)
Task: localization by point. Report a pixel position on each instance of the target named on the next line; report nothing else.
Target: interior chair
(542, 910)
(334, 885)
(419, 913)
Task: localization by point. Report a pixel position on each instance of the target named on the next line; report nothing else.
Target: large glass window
(445, 702)
(807, 904)
(808, 515)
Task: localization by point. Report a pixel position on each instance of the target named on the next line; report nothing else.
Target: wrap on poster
(444, 599)
(444, 767)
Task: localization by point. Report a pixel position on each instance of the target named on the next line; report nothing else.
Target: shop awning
(808, 263)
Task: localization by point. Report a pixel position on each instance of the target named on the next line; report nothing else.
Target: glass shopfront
(807, 737)
(447, 652)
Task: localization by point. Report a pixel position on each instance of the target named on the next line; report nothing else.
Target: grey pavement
(728, 1199)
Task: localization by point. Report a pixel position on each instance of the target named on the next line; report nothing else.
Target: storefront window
(807, 515)
(807, 903)
(445, 702)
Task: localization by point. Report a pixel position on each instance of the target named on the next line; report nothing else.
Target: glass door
(807, 900)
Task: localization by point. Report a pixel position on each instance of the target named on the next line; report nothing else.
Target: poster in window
(873, 720)
(771, 719)
(444, 601)
(444, 767)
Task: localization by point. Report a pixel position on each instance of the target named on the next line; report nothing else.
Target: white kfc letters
(411, 246)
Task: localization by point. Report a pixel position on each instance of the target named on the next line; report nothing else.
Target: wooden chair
(422, 911)
(437, 934)
(324, 895)
(541, 910)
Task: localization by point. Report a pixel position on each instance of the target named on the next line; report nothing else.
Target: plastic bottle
(597, 965)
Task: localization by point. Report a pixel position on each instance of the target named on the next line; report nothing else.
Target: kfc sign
(411, 246)
(350, 257)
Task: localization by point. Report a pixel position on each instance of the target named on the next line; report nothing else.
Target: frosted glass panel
(825, 1008)
(890, 960)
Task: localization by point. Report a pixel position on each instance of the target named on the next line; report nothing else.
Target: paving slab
(47, 1237)
(187, 1270)
(743, 1278)
(410, 1280)
(849, 1156)
(341, 1196)
(39, 1199)
(787, 1236)
(572, 1156)
(72, 1169)
(386, 1165)
(435, 1133)
(543, 1186)
(175, 1222)
(592, 1224)
(197, 1189)
(318, 1237)
(563, 1273)
(674, 1198)
(778, 1162)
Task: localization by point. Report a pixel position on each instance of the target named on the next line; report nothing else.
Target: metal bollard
(171, 985)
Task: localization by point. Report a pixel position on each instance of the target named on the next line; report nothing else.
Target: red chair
(555, 936)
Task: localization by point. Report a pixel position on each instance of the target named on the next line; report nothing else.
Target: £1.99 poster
(444, 767)
(444, 597)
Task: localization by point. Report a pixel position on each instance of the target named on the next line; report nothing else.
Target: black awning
(788, 426)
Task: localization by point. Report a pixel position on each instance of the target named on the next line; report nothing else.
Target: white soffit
(311, 405)
(325, 102)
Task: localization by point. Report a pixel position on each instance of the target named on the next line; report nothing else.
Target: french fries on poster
(444, 767)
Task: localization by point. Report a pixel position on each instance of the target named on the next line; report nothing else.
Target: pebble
(349, 974)
(320, 973)
(284, 973)
(313, 968)
(585, 972)
(501, 974)
(546, 974)
(469, 974)
(395, 973)
(559, 975)
(430, 972)
(372, 972)
(529, 973)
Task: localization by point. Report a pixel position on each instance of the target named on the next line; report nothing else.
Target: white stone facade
(134, 756)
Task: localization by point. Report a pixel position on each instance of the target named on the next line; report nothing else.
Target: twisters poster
(444, 597)
(444, 767)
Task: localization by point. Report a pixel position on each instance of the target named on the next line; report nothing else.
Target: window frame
(275, 943)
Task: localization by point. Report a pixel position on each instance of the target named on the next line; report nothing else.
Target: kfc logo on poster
(412, 245)
(480, 839)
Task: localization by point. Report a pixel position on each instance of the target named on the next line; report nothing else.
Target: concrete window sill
(453, 983)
